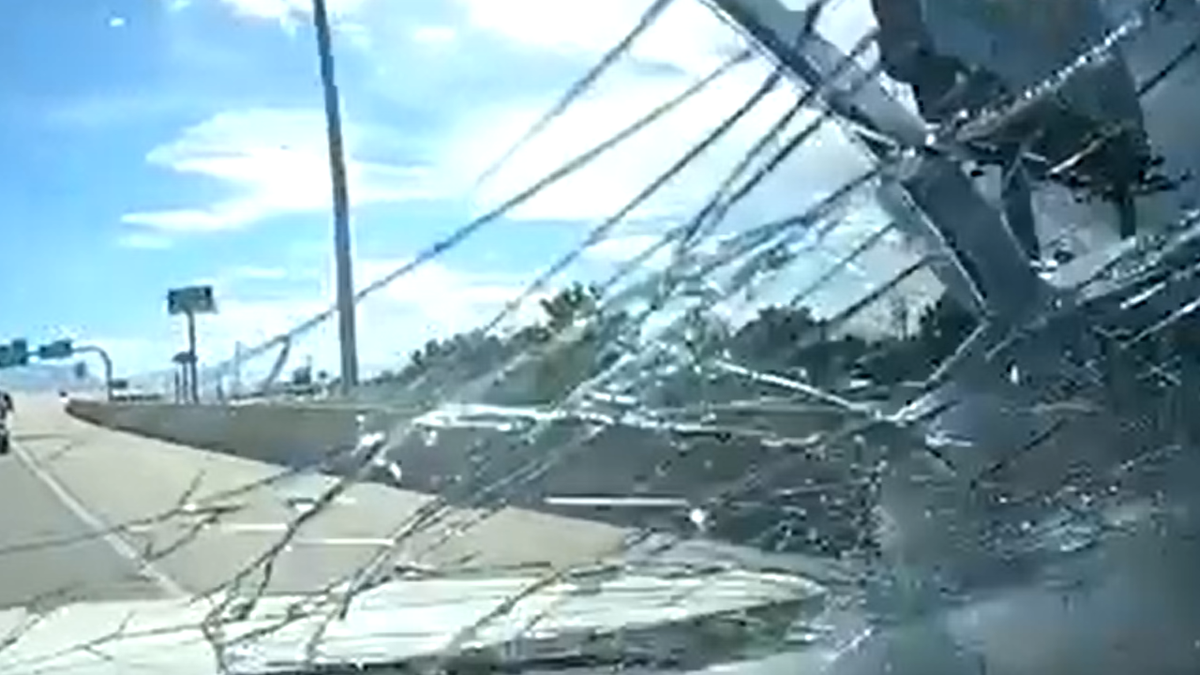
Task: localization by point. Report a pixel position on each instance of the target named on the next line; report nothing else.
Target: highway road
(49, 555)
(87, 513)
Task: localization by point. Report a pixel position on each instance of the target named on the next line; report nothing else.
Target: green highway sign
(15, 353)
(191, 300)
(59, 349)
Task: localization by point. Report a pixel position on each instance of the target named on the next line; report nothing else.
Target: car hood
(410, 620)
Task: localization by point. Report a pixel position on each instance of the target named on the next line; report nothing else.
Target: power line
(463, 233)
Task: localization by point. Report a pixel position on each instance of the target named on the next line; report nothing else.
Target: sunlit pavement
(149, 518)
(49, 555)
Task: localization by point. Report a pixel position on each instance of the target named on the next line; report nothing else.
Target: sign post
(190, 301)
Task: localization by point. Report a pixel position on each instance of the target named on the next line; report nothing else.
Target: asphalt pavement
(88, 513)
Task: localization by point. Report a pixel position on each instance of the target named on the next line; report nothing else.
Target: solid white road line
(114, 540)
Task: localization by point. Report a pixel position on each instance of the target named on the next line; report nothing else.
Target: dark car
(6, 409)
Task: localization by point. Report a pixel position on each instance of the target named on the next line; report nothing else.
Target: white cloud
(435, 36)
(448, 300)
(689, 35)
(433, 303)
(290, 15)
(143, 240)
(691, 38)
(259, 273)
(599, 189)
(436, 301)
(244, 147)
(622, 248)
(274, 162)
(251, 321)
(288, 11)
(217, 335)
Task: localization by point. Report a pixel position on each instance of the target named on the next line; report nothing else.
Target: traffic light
(59, 349)
(15, 353)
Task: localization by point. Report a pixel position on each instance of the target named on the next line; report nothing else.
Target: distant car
(6, 409)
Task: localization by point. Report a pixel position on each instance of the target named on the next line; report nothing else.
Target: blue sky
(156, 143)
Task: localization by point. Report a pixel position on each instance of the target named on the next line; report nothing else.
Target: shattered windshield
(845, 336)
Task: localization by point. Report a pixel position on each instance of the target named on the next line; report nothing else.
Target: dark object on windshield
(1089, 137)
(7, 402)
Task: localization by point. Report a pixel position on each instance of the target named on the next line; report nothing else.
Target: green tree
(566, 361)
(564, 308)
(794, 341)
(941, 327)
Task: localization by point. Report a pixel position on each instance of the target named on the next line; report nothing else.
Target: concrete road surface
(97, 514)
(50, 555)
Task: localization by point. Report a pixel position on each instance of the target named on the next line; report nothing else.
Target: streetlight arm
(108, 365)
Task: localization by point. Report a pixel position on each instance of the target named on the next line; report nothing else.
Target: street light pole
(341, 203)
(108, 366)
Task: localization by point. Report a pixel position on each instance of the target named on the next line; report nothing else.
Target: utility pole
(341, 203)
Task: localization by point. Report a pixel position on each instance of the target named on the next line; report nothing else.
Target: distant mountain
(45, 377)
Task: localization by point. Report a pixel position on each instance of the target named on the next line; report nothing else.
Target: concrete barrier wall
(284, 435)
(569, 460)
